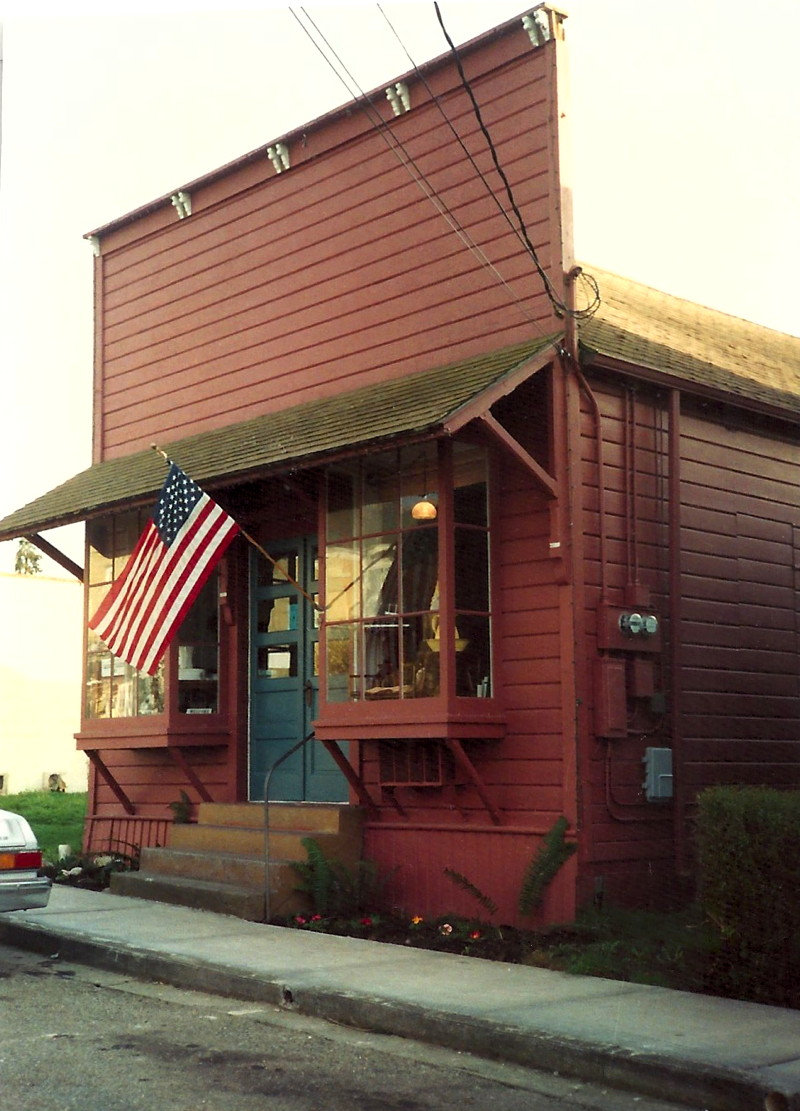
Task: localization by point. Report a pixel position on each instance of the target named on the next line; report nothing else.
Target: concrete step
(242, 871)
(217, 863)
(241, 901)
(283, 844)
(311, 817)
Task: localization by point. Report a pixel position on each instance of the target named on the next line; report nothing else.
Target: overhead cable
(557, 302)
(407, 161)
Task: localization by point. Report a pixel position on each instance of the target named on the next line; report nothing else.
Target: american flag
(179, 548)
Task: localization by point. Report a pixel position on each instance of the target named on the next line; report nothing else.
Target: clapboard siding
(419, 858)
(741, 690)
(152, 780)
(740, 696)
(336, 274)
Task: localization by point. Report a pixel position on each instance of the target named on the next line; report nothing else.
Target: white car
(21, 885)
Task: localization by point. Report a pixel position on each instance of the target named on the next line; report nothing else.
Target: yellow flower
(415, 921)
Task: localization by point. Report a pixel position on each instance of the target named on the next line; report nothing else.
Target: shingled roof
(414, 406)
(635, 326)
(679, 339)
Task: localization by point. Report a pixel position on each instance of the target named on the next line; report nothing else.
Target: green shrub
(748, 843)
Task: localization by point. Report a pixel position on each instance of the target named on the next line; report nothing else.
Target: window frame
(446, 714)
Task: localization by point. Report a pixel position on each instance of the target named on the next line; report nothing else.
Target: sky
(686, 161)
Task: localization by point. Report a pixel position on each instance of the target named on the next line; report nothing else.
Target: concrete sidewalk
(711, 1053)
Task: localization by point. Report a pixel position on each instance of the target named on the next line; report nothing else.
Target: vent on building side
(412, 764)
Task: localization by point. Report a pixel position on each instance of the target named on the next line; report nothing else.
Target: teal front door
(284, 678)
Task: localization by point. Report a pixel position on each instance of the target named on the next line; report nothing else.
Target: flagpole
(257, 546)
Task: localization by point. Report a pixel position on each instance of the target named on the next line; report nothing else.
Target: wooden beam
(351, 775)
(101, 769)
(56, 555)
(469, 769)
(179, 757)
(488, 397)
(518, 451)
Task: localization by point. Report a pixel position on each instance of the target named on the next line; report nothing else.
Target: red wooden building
(597, 617)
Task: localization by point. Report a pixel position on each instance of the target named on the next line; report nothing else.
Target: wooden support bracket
(100, 767)
(179, 757)
(352, 776)
(470, 771)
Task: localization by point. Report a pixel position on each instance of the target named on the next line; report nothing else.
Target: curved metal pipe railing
(284, 756)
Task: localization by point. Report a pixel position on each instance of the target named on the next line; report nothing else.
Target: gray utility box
(657, 773)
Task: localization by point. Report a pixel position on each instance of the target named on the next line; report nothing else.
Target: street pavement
(710, 1053)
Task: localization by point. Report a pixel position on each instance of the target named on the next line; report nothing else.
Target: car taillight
(20, 860)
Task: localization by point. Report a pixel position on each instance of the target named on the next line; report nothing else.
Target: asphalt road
(78, 1039)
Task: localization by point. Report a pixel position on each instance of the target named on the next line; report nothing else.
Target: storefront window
(382, 605)
(198, 654)
(471, 572)
(382, 598)
(113, 688)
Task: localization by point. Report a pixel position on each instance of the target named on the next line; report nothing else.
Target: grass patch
(56, 817)
(668, 950)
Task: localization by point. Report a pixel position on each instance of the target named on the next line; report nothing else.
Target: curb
(698, 1085)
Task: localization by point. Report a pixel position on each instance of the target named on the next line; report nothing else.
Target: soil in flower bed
(668, 950)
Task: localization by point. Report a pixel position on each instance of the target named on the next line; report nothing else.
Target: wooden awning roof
(424, 404)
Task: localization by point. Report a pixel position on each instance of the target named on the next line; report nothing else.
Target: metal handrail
(285, 756)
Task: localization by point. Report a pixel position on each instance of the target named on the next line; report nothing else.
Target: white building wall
(41, 640)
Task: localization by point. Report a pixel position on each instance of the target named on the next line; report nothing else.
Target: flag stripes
(160, 581)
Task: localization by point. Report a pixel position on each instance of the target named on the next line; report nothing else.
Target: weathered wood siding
(741, 697)
(738, 708)
(337, 273)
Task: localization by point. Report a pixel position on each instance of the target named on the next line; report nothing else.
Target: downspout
(675, 629)
(567, 418)
(601, 477)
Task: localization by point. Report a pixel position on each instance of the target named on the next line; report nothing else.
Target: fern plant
(335, 889)
(488, 904)
(316, 877)
(553, 852)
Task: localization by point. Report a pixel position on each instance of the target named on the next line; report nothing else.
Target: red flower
(366, 921)
(300, 920)
(475, 935)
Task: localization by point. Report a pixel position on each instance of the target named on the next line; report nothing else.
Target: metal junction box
(657, 773)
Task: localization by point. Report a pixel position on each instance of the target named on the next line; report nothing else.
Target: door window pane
(277, 615)
(277, 661)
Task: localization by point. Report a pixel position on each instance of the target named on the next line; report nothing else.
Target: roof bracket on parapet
(543, 23)
(278, 155)
(182, 203)
(399, 98)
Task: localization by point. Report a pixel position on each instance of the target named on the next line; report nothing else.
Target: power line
(397, 147)
(557, 302)
(437, 101)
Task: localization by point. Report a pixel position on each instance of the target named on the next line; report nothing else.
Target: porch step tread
(284, 844)
(224, 898)
(297, 817)
(219, 867)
